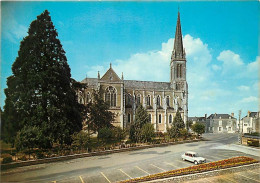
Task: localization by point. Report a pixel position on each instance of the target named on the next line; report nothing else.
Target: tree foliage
(147, 132)
(141, 118)
(198, 128)
(39, 94)
(177, 126)
(98, 112)
(81, 140)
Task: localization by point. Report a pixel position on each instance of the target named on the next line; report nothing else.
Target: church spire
(178, 51)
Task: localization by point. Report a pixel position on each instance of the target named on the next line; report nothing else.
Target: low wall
(74, 156)
(250, 140)
(196, 176)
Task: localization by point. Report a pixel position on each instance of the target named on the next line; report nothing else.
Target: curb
(68, 157)
(212, 173)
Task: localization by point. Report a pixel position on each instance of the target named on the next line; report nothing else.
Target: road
(126, 165)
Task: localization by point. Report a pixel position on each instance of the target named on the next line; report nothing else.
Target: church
(161, 99)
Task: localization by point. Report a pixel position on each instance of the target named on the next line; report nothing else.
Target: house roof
(217, 116)
(251, 114)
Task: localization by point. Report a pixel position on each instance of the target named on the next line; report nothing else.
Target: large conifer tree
(39, 93)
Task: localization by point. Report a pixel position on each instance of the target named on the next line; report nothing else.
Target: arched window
(158, 100)
(180, 70)
(138, 99)
(150, 118)
(128, 99)
(129, 117)
(110, 96)
(88, 97)
(148, 100)
(160, 118)
(168, 101)
(170, 118)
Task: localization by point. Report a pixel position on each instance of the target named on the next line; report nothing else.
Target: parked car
(193, 157)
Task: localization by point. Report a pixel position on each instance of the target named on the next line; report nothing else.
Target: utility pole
(240, 131)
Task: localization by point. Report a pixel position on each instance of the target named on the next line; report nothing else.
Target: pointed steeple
(178, 51)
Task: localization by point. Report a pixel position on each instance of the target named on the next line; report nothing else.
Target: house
(221, 123)
(250, 123)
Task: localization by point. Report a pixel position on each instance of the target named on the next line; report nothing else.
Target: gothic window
(158, 101)
(129, 117)
(148, 100)
(88, 97)
(168, 101)
(180, 70)
(138, 99)
(110, 96)
(170, 118)
(150, 118)
(160, 118)
(128, 99)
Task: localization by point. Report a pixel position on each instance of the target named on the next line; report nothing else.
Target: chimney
(232, 114)
(205, 116)
(248, 113)
(215, 114)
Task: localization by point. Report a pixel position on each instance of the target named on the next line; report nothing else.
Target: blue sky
(220, 38)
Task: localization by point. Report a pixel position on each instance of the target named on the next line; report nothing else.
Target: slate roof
(147, 85)
(135, 84)
(252, 115)
(90, 81)
(223, 116)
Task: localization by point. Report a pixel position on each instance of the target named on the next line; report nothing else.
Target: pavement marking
(142, 170)
(81, 179)
(171, 164)
(158, 168)
(125, 173)
(247, 177)
(105, 177)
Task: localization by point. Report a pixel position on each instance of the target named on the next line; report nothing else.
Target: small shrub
(7, 158)
(39, 155)
(22, 158)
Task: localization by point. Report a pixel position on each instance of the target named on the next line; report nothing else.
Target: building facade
(250, 122)
(160, 99)
(221, 123)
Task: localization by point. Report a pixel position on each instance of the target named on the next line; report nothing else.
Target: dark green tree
(147, 132)
(141, 118)
(39, 93)
(177, 126)
(99, 115)
(198, 128)
(81, 140)
(105, 134)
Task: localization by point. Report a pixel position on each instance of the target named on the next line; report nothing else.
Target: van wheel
(195, 162)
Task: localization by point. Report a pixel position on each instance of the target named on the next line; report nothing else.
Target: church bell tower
(178, 70)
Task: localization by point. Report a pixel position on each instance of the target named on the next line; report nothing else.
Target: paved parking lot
(174, 162)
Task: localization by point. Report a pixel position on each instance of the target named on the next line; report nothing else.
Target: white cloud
(13, 31)
(231, 62)
(253, 67)
(249, 99)
(243, 88)
(216, 67)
